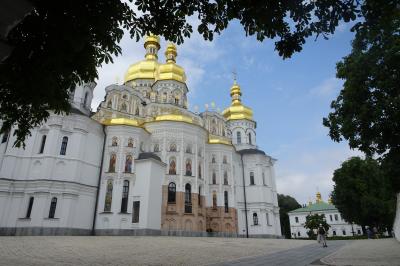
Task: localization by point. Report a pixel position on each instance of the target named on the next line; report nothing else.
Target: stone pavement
(366, 252)
(306, 255)
(123, 250)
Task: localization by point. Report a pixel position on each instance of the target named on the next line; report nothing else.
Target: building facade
(338, 226)
(141, 164)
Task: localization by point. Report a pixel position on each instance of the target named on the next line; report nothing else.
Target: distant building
(339, 227)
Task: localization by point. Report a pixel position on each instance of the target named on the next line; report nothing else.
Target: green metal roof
(318, 206)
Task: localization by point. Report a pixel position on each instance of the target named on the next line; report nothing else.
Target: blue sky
(289, 97)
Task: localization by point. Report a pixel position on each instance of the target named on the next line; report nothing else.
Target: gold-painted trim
(177, 118)
(121, 121)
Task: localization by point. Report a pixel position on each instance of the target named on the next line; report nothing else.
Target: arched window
(213, 159)
(255, 219)
(238, 137)
(137, 111)
(199, 196)
(226, 203)
(199, 172)
(263, 178)
(130, 143)
(223, 132)
(42, 144)
(123, 107)
(172, 147)
(251, 178)
(113, 160)
(29, 210)
(188, 149)
(214, 178)
(213, 130)
(85, 99)
(176, 100)
(164, 97)
(171, 192)
(188, 167)
(224, 160)
(114, 142)
(125, 195)
(156, 148)
(108, 199)
(64, 144)
(53, 206)
(225, 178)
(172, 166)
(249, 138)
(109, 104)
(128, 164)
(188, 198)
(214, 200)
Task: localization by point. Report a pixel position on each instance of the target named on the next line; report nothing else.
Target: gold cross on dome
(234, 74)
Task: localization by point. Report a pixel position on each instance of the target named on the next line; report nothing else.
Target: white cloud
(302, 174)
(327, 87)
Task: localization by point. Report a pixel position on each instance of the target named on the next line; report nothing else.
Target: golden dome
(237, 110)
(319, 198)
(146, 69)
(170, 70)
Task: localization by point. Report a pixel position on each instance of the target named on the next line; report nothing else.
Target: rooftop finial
(234, 76)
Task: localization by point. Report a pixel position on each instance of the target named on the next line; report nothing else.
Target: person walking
(322, 236)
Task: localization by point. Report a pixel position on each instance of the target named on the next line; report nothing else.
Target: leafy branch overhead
(62, 43)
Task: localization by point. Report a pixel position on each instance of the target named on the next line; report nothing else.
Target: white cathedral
(142, 164)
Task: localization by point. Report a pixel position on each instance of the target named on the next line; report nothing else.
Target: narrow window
(263, 178)
(164, 97)
(251, 178)
(172, 147)
(53, 206)
(30, 205)
(213, 159)
(42, 144)
(334, 232)
(238, 138)
(250, 138)
(109, 104)
(225, 178)
(5, 136)
(125, 195)
(128, 164)
(137, 111)
(226, 204)
(298, 233)
(85, 99)
(214, 200)
(113, 160)
(188, 167)
(255, 219)
(224, 160)
(171, 192)
(108, 199)
(296, 219)
(214, 178)
(135, 211)
(344, 232)
(330, 217)
(188, 149)
(336, 217)
(172, 166)
(199, 171)
(199, 197)
(156, 148)
(188, 198)
(359, 231)
(64, 144)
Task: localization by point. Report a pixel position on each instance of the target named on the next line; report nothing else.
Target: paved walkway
(366, 252)
(306, 255)
(193, 251)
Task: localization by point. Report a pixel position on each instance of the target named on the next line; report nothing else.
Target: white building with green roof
(339, 227)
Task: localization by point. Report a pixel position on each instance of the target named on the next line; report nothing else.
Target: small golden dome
(319, 198)
(152, 39)
(170, 70)
(237, 110)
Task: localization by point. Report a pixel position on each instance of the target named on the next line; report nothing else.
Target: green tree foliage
(286, 204)
(363, 194)
(367, 111)
(312, 223)
(61, 43)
